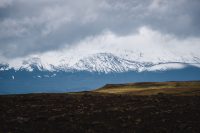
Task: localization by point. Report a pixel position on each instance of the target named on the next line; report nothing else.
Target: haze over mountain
(146, 50)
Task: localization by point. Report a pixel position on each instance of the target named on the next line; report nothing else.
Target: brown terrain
(159, 107)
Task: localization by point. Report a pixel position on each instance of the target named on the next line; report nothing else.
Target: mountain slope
(102, 63)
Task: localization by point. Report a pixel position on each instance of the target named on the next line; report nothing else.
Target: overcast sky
(38, 26)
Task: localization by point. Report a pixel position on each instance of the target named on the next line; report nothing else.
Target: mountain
(34, 75)
(107, 62)
(103, 63)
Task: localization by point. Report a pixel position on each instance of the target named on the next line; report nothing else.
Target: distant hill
(153, 88)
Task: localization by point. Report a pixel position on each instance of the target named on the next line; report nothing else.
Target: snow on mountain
(107, 62)
(4, 66)
(31, 64)
(104, 62)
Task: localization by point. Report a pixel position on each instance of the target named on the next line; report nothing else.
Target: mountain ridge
(102, 63)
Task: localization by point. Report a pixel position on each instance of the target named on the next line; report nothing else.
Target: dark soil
(99, 113)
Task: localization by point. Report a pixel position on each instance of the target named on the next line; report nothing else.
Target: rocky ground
(91, 112)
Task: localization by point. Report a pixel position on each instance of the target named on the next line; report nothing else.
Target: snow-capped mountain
(69, 73)
(105, 63)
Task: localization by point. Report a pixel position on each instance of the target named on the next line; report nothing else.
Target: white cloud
(152, 44)
(146, 45)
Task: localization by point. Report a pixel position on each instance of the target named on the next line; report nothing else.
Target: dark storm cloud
(28, 26)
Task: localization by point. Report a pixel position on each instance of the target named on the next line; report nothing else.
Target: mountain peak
(103, 63)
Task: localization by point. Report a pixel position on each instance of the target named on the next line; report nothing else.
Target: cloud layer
(146, 45)
(37, 27)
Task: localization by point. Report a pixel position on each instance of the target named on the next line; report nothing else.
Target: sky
(52, 29)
